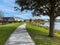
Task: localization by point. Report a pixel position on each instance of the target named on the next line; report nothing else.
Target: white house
(18, 19)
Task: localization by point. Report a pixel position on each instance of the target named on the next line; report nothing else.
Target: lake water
(56, 26)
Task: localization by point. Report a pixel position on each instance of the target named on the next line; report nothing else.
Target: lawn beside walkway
(6, 30)
(40, 35)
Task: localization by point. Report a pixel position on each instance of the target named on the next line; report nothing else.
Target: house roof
(12, 18)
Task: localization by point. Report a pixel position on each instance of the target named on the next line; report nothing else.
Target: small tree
(42, 7)
(1, 17)
(1, 14)
(30, 20)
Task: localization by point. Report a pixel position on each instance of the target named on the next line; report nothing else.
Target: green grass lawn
(40, 35)
(6, 30)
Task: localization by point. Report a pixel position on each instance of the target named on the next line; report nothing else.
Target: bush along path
(20, 37)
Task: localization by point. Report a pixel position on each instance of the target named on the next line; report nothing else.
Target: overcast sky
(7, 7)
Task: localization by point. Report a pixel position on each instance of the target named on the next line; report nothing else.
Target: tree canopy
(40, 6)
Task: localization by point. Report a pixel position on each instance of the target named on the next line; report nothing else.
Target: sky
(7, 7)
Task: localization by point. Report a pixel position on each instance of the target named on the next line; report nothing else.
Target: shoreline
(47, 28)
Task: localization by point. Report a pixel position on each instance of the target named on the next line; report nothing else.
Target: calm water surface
(56, 26)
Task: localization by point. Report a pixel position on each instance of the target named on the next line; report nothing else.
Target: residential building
(11, 19)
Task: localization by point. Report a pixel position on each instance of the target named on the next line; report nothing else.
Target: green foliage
(42, 7)
(1, 14)
(40, 35)
(6, 30)
(39, 6)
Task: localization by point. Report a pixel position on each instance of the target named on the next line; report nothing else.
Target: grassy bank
(40, 35)
(6, 30)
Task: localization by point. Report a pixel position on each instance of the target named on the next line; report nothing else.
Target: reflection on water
(56, 26)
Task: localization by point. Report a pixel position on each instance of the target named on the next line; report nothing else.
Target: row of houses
(10, 19)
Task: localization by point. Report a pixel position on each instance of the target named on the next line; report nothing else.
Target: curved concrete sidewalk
(20, 37)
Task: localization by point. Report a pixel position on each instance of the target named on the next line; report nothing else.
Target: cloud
(10, 2)
(8, 6)
(58, 17)
(7, 9)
